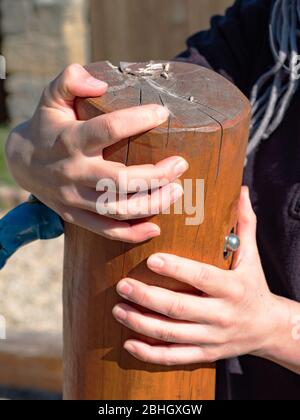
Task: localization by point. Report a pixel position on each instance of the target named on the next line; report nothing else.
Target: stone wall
(40, 38)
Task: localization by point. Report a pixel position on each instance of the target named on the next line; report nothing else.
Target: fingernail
(162, 113)
(119, 313)
(124, 288)
(129, 347)
(155, 262)
(96, 83)
(153, 233)
(180, 167)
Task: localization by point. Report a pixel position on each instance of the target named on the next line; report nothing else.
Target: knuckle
(110, 235)
(254, 217)
(60, 83)
(237, 292)
(224, 320)
(121, 216)
(68, 171)
(69, 71)
(163, 174)
(144, 356)
(201, 277)
(114, 235)
(142, 298)
(67, 196)
(113, 211)
(210, 355)
(65, 144)
(165, 334)
(220, 338)
(134, 205)
(129, 237)
(48, 93)
(176, 309)
(109, 128)
(169, 360)
(176, 267)
(66, 216)
(119, 234)
(223, 339)
(251, 217)
(135, 324)
(63, 177)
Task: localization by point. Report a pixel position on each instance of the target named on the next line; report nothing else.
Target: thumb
(246, 230)
(74, 81)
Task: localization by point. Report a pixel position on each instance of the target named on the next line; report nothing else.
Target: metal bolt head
(232, 243)
(32, 199)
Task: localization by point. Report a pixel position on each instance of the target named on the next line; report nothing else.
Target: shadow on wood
(211, 133)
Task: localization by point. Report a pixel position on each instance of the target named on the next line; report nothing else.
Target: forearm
(283, 347)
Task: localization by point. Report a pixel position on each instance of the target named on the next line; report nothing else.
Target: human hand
(60, 160)
(238, 314)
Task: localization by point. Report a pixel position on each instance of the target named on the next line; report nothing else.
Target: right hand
(60, 159)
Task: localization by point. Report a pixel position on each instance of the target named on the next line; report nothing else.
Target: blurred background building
(39, 38)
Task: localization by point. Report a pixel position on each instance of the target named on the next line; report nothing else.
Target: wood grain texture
(211, 134)
(136, 30)
(31, 361)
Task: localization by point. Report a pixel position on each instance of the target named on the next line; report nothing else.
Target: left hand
(237, 315)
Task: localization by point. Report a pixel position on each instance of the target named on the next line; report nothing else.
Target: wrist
(278, 328)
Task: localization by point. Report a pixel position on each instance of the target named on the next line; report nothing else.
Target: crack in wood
(183, 98)
(168, 132)
(161, 99)
(132, 80)
(141, 96)
(220, 154)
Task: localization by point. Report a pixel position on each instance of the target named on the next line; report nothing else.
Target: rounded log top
(197, 98)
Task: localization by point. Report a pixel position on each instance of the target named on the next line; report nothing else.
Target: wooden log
(31, 360)
(208, 126)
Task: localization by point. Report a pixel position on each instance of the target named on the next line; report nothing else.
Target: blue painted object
(27, 223)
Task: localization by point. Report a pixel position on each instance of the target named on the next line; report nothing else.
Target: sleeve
(234, 43)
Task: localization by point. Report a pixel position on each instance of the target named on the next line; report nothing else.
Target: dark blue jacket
(237, 44)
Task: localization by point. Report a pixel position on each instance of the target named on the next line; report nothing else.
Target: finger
(204, 277)
(131, 179)
(79, 197)
(161, 328)
(167, 355)
(246, 230)
(121, 207)
(108, 129)
(111, 229)
(139, 205)
(73, 82)
(175, 305)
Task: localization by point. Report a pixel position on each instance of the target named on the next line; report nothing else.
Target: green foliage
(4, 173)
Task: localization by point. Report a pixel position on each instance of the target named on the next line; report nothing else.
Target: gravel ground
(31, 291)
(31, 288)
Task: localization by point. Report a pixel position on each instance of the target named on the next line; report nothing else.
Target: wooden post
(209, 128)
(148, 28)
